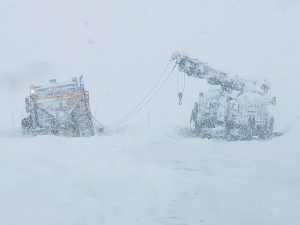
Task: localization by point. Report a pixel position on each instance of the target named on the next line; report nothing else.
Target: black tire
(245, 133)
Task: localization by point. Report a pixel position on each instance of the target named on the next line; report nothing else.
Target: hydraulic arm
(195, 68)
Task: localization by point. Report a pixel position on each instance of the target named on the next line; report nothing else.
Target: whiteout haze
(147, 171)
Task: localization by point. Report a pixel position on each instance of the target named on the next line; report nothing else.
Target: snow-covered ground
(138, 177)
(147, 171)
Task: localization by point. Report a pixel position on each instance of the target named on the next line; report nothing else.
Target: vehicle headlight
(32, 91)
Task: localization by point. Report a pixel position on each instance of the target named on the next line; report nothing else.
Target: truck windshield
(54, 90)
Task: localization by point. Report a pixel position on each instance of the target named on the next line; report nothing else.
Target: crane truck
(58, 108)
(236, 109)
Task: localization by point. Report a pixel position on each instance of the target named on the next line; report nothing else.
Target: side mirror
(273, 101)
(27, 104)
(201, 96)
(52, 81)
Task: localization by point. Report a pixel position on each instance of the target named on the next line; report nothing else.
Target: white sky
(117, 44)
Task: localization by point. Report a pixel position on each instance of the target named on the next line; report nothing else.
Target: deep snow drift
(147, 172)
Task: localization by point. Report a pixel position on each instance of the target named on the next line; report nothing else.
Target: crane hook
(180, 98)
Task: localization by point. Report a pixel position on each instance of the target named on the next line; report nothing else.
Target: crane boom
(195, 68)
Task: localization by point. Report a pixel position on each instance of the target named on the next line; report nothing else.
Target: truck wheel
(82, 122)
(197, 128)
(89, 124)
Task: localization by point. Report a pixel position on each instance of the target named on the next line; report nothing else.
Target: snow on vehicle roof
(54, 84)
(54, 88)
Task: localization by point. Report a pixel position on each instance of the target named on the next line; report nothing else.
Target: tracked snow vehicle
(236, 109)
(59, 109)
